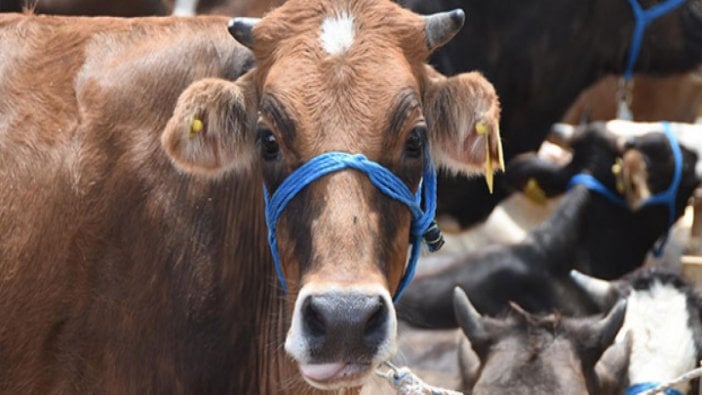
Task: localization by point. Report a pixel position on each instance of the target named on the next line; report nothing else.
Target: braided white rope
(691, 375)
(407, 383)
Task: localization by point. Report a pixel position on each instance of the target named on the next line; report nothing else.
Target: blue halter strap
(383, 179)
(642, 19)
(595, 185)
(666, 197)
(641, 387)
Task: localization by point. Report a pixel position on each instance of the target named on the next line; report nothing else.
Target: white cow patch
(185, 7)
(663, 346)
(337, 33)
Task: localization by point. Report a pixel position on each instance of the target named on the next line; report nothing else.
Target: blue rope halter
(423, 225)
(642, 19)
(666, 197)
(641, 387)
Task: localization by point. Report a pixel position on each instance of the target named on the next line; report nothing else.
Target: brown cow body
(674, 98)
(134, 256)
(117, 274)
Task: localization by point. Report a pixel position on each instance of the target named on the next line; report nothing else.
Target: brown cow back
(114, 276)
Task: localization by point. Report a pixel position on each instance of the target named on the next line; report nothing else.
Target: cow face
(621, 154)
(339, 76)
(526, 354)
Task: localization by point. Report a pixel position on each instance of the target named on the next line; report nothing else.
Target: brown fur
(120, 273)
(674, 98)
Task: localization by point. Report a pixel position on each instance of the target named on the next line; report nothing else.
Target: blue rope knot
(422, 205)
(666, 197)
(636, 389)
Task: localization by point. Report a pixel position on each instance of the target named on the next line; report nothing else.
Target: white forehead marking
(337, 33)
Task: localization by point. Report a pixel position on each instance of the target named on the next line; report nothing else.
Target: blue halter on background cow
(642, 18)
(666, 197)
(423, 225)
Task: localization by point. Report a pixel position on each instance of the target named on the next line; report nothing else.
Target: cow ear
(613, 366)
(631, 174)
(463, 114)
(210, 131)
(468, 365)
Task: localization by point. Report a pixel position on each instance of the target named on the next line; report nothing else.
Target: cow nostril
(313, 319)
(376, 321)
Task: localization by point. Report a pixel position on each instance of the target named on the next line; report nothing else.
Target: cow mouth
(335, 375)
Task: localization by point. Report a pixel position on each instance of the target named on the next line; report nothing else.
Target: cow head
(525, 354)
(633, 159)
(345, 76)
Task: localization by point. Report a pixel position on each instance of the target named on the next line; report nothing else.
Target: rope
(668, 386)
(422, 205)
(642, 18)
(666, 197)
(407, 383)
(643, 388)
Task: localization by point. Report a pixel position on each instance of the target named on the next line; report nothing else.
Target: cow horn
(608, 327)
(442, 26)
(467, 316)
(242, 29)
(601, 291)
(561, 134)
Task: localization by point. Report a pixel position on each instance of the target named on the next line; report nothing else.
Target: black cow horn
(442, 26)
(242, 30)
(467, 316)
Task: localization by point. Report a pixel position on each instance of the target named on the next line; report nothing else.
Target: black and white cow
(586, 231)
(663, 317)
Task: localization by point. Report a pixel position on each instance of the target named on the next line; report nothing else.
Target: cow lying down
(663, 317)
(586, 231)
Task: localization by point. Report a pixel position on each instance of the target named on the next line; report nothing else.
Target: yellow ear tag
(196, 127)
(482, 130)
(533, 191)
(500, 155)
(617, 171)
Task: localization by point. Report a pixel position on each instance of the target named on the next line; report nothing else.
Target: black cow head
(633, 166)
(527, 354)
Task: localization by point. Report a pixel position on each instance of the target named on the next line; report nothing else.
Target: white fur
(663, 346)
(185, 7)
(337, 33)
(296, 343)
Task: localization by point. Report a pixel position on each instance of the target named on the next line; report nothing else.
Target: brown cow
(121, 273)
(673, 98)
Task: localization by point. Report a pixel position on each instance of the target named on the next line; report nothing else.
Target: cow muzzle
(339, 336)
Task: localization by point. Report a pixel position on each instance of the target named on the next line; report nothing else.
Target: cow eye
(414, 145)
(268, 143)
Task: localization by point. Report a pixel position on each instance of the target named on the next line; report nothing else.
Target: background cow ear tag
(534, 192)
(617, 168)
(196, 127)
